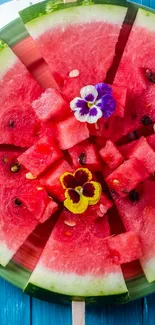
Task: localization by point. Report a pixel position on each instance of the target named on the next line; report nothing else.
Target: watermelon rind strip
(46, 7)
(49, 296)
(15, 274)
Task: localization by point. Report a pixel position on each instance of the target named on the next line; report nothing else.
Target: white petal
(73, 103)
(79, 117)
(89, 90)
(94, 119)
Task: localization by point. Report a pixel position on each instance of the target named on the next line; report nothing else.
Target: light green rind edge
(15, 274)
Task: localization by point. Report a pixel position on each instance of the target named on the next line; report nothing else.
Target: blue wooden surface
(19, 309)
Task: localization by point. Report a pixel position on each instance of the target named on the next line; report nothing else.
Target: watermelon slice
(77, 278)
(71, 241)
(85, 154)
(40, 156)
(137, 214)
(18, 89)
(140, 108)
(64, 36)
(22, 208)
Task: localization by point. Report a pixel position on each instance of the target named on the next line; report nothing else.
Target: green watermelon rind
(49, 296)
(43, 8)
(7, 58)
(15, 274)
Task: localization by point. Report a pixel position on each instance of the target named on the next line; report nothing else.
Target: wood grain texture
(14, 305)
(44, 313)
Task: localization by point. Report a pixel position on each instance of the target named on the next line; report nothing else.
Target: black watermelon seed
(11, 124)
(15, 168)
(146, 120)
(82, 158)
(18, 202)
(150, 76)
(134, 196)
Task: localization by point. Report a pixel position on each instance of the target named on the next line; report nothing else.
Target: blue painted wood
(14, 305)
(44, 313)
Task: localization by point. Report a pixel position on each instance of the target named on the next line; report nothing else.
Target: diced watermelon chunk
(51, 105)
(119, 94)
(40, 156)
(151, 141)
(127, 176)
(111, 155)
(127, 148)
(144, 153)
(85, 154)
(51, 179)
(70, 132)
(125, 247)
(50, 209)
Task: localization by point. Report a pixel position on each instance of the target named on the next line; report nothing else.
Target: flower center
(90, 104)
(79, 189)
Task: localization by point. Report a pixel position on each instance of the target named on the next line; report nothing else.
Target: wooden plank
(148, 310)
(129, 314)
(14, 305)
(44, 313)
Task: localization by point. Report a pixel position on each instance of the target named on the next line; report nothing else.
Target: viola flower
(95, 102)
(80, 190)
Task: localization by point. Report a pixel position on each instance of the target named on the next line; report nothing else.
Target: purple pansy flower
(95, 102)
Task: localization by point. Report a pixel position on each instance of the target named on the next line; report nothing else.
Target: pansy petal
(92, 190)
(74, 104)
(108, 105)
(75, 203)
(103, 89)
(89, 93)
(95, 114)
(82, 176)
(67, 180)
(81, 117)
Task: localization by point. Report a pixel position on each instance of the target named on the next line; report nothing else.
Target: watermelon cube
(70, 132)
(125, 247)
(127, 148)
(51, 179)
(51, 105)
(102, 206)
(151, 141)
(40, 156)
(111, 155)
(127, 176)
(144, 153)
(85, 154)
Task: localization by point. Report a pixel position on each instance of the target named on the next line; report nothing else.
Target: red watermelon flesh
(57, 32)
(40, 156)
(50, 209)
(127, 176)
(18, 126)
(85, 154)
(51, 105)
(127, 148)
(79, 250)
(151, 141)
(136, 71)
(144, 153)
(69, 132)
(111, 155)
(137, 213)
(120, 247)
(51, 179)
(11, 170)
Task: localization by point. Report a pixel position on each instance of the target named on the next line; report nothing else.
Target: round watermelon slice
(65, 36)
